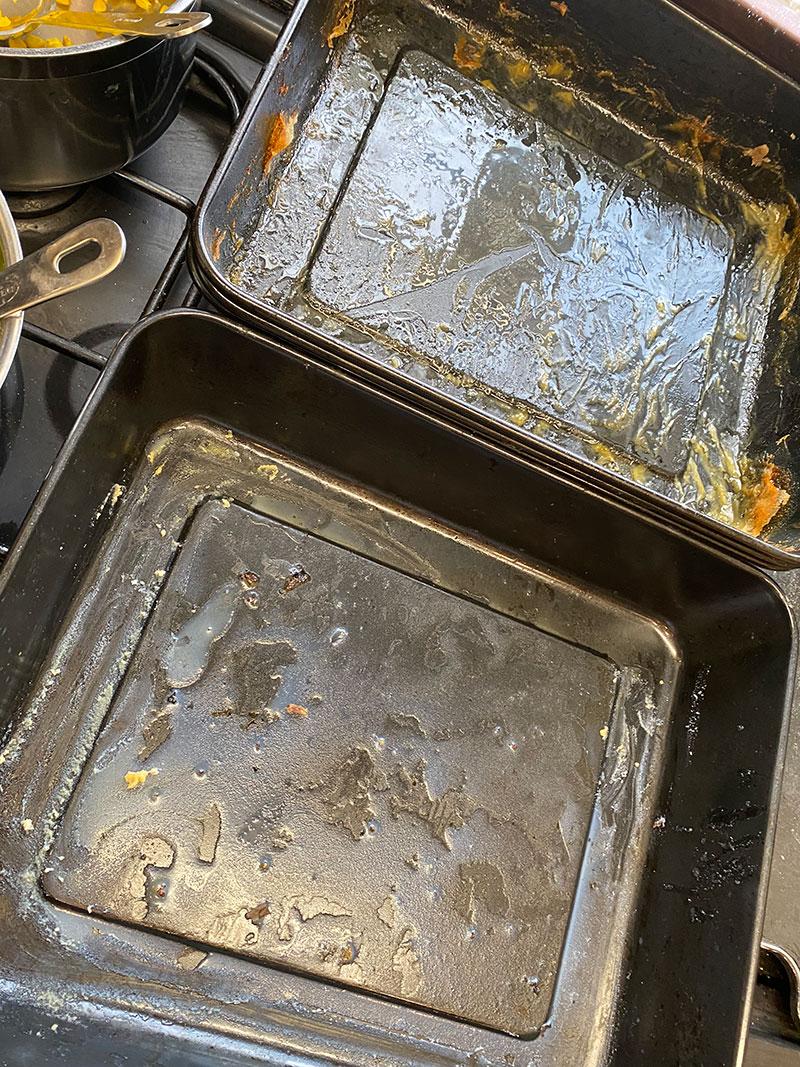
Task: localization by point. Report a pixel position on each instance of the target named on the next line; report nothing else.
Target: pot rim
(93, 46)
(10, 327)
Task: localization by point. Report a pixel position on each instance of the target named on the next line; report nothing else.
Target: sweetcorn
(55, 39)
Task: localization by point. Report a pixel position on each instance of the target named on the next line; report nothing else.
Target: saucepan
(49, 272)
(75, 113)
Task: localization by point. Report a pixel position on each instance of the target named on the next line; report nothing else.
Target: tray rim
(287, 329)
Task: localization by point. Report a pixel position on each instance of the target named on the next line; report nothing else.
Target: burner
(33, 205)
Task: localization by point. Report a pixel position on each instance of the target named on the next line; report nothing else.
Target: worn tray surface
(605, 272)
(347, 771)
(371, 770)
(622, 673)
(505, 254)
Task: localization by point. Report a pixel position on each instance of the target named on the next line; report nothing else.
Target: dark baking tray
(560, 229)
(455, 762)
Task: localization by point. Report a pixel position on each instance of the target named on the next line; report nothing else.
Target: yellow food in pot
(34, 38)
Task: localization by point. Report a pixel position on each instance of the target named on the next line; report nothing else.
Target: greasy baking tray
(332, 733)
(500, 211)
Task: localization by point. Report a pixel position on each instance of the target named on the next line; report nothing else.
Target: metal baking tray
(333, 734)
(504, 213)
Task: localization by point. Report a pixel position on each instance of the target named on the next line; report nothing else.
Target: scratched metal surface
(346, 771)
(506, 214)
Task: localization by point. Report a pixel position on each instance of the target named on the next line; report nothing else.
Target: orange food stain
(280, 135)
(767, 498)
(467, 54)
(561, 7)
(297, 709)
(342, 23)
(216, 243)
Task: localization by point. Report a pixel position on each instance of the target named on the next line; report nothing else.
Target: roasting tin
(332, 734)
(503, 213)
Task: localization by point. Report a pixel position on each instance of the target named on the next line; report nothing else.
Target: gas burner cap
(32, 205)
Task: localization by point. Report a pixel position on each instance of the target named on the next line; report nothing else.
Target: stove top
(66, 343)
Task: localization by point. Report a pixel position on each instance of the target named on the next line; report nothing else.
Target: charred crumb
(259, 912)
(297, 576)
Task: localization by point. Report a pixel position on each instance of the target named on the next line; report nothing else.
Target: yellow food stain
(693, 131)
(771, 220)
(728, 461)
(225, 501)
(159, 469)
(468, 54)
(298, 710)
(116, 492)
(135, 779)
(604, 732)
(216, 448)
(520, 72)
(693, 474)
(557, 68)
(280, 134)
(603, 454)
(342, 23)
(27, 826)
(270, 469)
(639, 472)
(519, 417)
(775, 245)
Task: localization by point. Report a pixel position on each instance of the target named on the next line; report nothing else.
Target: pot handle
(47, 273)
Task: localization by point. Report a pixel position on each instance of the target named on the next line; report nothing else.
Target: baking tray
(332, 734)
(503, 213)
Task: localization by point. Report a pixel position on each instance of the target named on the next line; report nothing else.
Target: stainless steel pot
(69, 115)
(10, 252)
